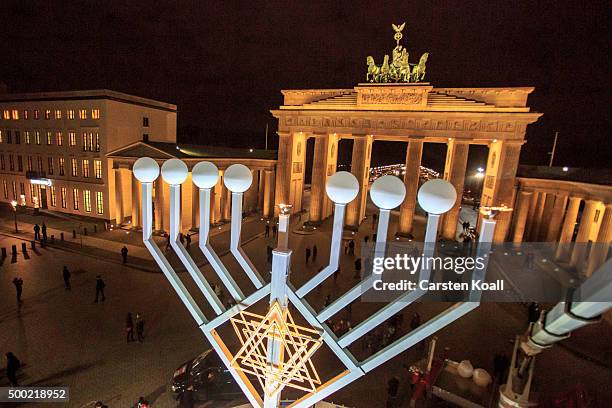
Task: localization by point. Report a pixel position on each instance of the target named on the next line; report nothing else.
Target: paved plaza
(64, 338)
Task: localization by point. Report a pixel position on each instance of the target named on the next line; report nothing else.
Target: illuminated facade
(53, 146)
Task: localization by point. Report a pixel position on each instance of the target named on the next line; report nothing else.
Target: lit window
(82, 113)
(95, 113)
(91, 141)
(26, 135)
(145, 121)
(39, 161)
(70, 113)
(48, 114)
(87, 200)
(15, 114)
(17, 137)
(86, 168)
(33, 192)
(84, 141)
(5, 188)
(99, 202)
(74, 167)
(61, 162)
(30, 166)
(14, 189)
(75, 198)
(53, 196)
(50, 165)
(26, 114)
(98, 169)
(97, 142)
(6, 115)
(36, 114)
(59, 136)
(49, 138)
(0, 136)
(63, 197)
(37, 137)
(72, 138)
(58, 114)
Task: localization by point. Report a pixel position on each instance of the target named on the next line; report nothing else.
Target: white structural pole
(334, 254)
(402, 301)
(281, 261)
(160, 259)
(283, 230)
(235, 248)
(364, 286)
(208, 250)
(183, 255)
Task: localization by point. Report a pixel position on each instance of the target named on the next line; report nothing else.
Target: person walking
(124, 254)
(314, 253)
(100, 285)
(139, 327)
(357, 268)
(267, 233)
(269, 253)
(12, 366)
(346, 247)
(351, 246)
(37, 232)
(44, 232)
(167, 240)
(18, 282)
(129, 327)
(392, 391)
(274, 231)
(66, 275)
(307, 254)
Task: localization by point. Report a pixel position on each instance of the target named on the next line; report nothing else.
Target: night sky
(224, 63)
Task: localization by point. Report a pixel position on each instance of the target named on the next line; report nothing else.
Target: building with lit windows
(53, 146)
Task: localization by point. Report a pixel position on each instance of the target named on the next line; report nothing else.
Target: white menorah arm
(235, 248)
(419, 334)
(239, 307)
(361, 287)
(208, 250)
(404, 300)
(334, 254)
(160, 259)
(183, 255)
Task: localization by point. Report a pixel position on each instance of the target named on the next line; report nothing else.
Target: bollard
(85, 231)
(23, 247)
(14, 248)
(33, 244)
(95, 228)
(74, 234)
(61, 236)
(4, 252)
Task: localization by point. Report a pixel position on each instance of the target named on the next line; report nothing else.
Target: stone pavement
(65, 338)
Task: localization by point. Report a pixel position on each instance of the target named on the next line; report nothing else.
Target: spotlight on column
(342, 187)
(205, 174)
(387, 192)
(174, 172)
(146, 170)
(238, 178)
(437, 196)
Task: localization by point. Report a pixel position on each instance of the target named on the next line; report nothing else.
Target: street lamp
(14, 205)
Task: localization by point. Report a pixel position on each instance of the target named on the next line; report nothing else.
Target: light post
(14, 205)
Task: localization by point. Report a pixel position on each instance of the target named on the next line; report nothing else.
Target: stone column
(319, 171)
(546, 216)
(268, 209)
(537, 217)
(554, 225)
(195, 206)
(600, 249)
(159, 204)
(584, 232)
(360, 167)
(166, 205)
(567, 230)
(187, 204)
(290, 170)
(118, 197)
(260, 189)
(520, 215)
(414, 153)
(135, 201)
(454, 172)
(250, 196)
(227, 204)
(217, 200)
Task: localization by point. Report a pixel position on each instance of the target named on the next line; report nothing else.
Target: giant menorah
(275, 350)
